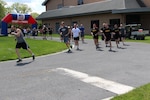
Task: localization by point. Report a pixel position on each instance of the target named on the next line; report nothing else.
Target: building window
(57, 26)
(133, 19)
(113, 22)
(95, 22)
(59, 6)
(80, 2)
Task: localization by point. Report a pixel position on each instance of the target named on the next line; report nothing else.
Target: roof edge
(132, 10)
(45, 2)
(76, 15)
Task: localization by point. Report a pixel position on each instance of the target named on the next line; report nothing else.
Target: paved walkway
(81, 75)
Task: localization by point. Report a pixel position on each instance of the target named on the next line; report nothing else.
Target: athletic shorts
(117, 36)
(108, 38)
(66, 39)
(82, 34)
(95, 37)
(76, 38)
(22, 45)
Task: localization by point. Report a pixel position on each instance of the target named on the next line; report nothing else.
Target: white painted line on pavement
(96, 81)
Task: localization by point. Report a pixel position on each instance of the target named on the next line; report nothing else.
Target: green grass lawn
(140, 93)
(39, 47)
(147, 40)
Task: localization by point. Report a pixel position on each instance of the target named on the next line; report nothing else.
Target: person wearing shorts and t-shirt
(122, 31)
(21, 43)
(82, 29)
(64, 32)
(76, 34)
(117, 34)
(107, 35)
(95, 34)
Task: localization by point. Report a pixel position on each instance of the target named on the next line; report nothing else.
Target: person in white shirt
(76, 34)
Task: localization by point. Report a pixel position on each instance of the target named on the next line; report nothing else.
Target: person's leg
(30, 51)
(18, 53)
(67, 42)
(18, 46)
(82, 37)
(96, 43)
(77, 43)
(68, 46)
(122, 40)
(106, 41)
(110, 45)
(116, 42)
(26, 47)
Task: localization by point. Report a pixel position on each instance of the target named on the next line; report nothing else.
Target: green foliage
(147, 40)
(21, 8)
(35, 15)
(39, 47)
(2, 11)
(3, 2)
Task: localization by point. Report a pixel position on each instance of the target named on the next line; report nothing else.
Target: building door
(113, 22)
(57, 26)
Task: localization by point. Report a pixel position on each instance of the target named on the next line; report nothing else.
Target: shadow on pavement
(23, 63)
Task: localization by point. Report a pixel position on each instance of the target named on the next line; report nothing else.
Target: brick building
(88, 12)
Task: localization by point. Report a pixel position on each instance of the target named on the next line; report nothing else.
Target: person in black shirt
(50, 31)
(64, 32)
(122, 32)
(116, 34)
(102, 30)
(107, 35)
(95, 34)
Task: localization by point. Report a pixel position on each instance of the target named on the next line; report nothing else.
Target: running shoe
(19, 60)
(33, 57)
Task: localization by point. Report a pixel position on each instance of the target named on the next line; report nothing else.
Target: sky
(35, 5)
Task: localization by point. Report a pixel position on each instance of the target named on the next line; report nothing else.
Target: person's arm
(17, 33)
(79, 32)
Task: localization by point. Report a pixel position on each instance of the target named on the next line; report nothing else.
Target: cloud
(33, 4)
(36, 6)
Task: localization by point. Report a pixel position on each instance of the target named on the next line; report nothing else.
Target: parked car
(135, 31)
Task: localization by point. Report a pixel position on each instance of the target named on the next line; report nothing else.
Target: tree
(2, 9)
(35, 15)
(21, 8)
(3, 3)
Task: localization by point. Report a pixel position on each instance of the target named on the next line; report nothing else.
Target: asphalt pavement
(88, 74)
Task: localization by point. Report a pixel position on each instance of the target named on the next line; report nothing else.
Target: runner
(50, 31)
(64, 32)
(95, 34)
(122, 31)
(44, 29)
(116, 34)
(107, 36)
(76, 34)
(82, 29)
(21, 43)
(102, 31)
